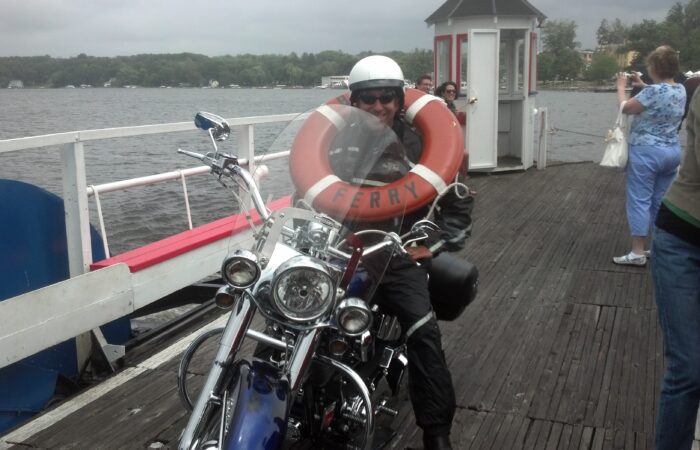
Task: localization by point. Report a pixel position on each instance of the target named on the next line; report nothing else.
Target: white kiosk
(489, 48)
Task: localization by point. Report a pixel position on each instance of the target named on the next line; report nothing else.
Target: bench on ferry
(169, 269)
(117, 286)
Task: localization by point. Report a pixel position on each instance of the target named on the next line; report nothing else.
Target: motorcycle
(327, 367)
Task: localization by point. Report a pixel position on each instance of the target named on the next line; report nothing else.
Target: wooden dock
(561, 349)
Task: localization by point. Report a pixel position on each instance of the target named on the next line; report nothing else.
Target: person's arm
(454, 217)
(632, 106)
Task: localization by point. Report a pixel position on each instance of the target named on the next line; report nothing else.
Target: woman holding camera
(654, 146)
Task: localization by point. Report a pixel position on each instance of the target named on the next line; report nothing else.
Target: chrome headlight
(223, 298)
(302, 288)
(353, 316)
(240, 269)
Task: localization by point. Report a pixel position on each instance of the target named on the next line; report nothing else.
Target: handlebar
(391, 240)
(227, 165)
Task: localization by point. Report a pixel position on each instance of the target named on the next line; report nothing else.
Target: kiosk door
(482, 99)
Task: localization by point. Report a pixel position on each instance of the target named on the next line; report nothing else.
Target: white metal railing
(99, 189)
(102, 295)
(75, 189)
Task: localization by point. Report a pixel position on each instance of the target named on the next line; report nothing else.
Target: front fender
(260, 408)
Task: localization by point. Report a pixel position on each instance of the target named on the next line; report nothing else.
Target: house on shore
(335, 81)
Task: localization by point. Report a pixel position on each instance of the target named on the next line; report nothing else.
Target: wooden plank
(544, 434)
(488, 429)
(522, 434)
(468, 423)
(61, 311)
(653, 354)
(603, 399)
(553, 441)
(548, 381)
(562, 397)
(537, 363)
(588, 365)
(586, 438)
(577, 378)
(567, 434)
(134, 414)
(525, 343)
(532, 435)
(614, 415)
(605, 330)
(638, 368)
(598, 441)
(508, 425)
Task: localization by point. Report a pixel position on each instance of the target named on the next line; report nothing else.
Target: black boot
(441, 442)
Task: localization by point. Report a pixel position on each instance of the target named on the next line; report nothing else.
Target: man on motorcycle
(377, 86)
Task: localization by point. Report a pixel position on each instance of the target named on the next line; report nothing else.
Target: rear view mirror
(218, 126)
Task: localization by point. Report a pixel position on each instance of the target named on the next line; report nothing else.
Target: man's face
(425, 85)
(383, 104)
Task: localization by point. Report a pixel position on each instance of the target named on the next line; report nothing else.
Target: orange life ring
(443, 150)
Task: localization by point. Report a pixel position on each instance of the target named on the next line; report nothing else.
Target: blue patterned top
(663, 110)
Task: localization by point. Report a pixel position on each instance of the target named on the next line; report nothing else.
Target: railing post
(246, 146)
(79, 243)
(75, 205)
(542, 140)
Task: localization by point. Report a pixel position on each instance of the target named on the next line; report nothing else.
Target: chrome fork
(231, 340)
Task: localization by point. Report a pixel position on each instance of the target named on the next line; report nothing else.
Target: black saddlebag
(453, 285)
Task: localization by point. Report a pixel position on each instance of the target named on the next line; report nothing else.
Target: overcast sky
(63, 28)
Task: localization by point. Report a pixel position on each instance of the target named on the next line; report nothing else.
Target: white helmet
(375, 72)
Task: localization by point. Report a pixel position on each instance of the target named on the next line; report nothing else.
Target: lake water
(142, 215)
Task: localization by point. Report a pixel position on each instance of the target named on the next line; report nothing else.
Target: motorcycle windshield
(347, 167)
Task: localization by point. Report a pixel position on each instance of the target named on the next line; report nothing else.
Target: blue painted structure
(33, 254)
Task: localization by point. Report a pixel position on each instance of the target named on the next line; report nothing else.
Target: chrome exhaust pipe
(361, 388)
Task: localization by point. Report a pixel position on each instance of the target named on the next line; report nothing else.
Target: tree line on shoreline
(194, 70)
(560, 59)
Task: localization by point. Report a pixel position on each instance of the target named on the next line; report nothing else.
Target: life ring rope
(415, 108)
(320, 186)
(430, 176)
(330, 114)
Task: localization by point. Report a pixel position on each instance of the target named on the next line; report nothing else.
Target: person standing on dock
(676, 272)
(654, 146)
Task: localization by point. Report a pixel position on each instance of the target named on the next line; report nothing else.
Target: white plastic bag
(615, 155)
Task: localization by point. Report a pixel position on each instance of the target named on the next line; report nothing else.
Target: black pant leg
(404, 293)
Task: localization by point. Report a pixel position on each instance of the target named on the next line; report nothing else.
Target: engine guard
(453, 284)
(261, 408)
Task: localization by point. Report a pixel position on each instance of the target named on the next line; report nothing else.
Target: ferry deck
(560, 350)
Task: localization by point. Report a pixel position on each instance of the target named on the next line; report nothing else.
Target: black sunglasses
(369, 99)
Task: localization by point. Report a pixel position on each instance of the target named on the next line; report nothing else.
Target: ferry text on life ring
(443, 150)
